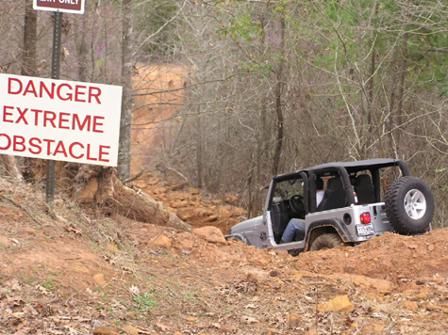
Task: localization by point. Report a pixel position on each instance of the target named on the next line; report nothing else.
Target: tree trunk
(402, 85)
(397, 97)
(124, 152)
(10, 166)
(29, 40)
(260, 156)
(261, 135)
(82, 48)
(250, 185)
(278, 101)
(29, 67)
(101, 186)
(199, 170)
(370, 99)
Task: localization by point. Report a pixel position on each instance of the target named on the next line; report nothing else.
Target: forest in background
(272, 86)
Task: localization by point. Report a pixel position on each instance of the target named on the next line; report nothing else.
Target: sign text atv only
(67, 6)
(61, 120)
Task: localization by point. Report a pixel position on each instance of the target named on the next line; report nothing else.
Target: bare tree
(29, 65)
(278, 98)
(124, 153)
(29, 68)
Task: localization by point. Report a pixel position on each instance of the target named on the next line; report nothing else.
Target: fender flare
(330, 224)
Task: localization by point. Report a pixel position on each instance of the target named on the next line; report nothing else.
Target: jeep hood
(246, 225)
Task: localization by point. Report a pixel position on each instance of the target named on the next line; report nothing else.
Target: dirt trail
(72, 274)
(159, 94)
(192, 205)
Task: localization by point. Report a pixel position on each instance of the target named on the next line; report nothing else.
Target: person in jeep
(296, 227)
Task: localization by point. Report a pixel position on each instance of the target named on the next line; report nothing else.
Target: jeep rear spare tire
(326, 241)
(409, 206)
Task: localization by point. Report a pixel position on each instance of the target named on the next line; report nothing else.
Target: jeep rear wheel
(235, 238)
(326, 241)
(409, 206)
(294, 252)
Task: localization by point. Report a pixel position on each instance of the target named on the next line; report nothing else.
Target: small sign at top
(66, 6)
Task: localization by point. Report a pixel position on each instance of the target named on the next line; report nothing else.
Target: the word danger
(60, 91)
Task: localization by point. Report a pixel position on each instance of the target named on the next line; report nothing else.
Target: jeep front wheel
(409, 206)
(326, 241)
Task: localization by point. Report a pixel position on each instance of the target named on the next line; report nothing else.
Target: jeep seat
(364, 189)
(279, 219)
(334, 196)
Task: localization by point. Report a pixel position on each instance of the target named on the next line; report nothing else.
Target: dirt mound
(67, 273)
(391, 256)
(192, 205)
(37, 244)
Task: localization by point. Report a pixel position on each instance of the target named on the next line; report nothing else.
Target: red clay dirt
(67, 273)
(392, 257)
(191, 204)
(159, 94)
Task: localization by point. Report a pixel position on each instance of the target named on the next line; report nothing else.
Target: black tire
(234, 238)
(326, 241)
(294, 252)
(401, 208)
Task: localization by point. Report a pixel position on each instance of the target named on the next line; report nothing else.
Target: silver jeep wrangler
(361, 199)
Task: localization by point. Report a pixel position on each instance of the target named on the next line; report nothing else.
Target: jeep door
(288, 198)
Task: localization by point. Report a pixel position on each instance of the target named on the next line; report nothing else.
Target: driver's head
(319, 183)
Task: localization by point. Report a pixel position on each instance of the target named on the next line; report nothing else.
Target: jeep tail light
(365, 218)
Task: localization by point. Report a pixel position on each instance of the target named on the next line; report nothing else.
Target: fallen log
(114, 197)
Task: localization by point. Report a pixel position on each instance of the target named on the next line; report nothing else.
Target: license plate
(364, 230)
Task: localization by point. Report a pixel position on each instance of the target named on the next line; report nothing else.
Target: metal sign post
(55, 70)
(67, 6)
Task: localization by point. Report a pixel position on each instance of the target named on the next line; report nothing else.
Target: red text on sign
(59, 91)
(54, 148)
(44, 118)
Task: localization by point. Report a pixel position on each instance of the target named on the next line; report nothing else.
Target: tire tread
(326, 241)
